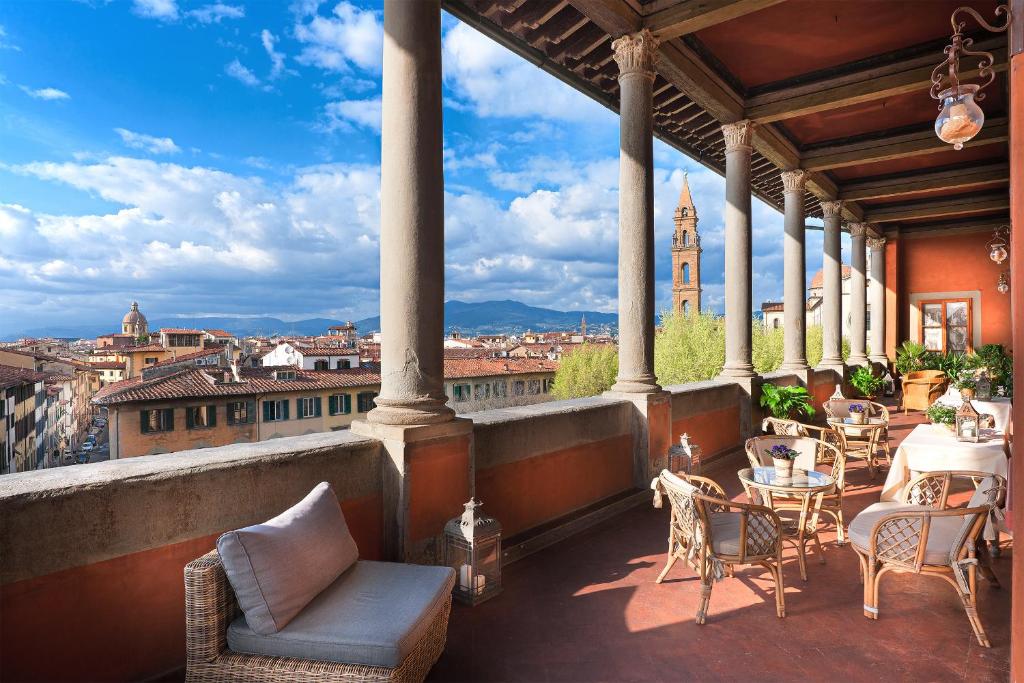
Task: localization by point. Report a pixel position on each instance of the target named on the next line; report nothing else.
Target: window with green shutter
(339, 404)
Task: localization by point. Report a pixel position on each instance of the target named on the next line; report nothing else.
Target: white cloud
(495, 82)
(164, 10)
(148, 143)
(5, 44)
(216, 12)
(351, 36)
(276, 58)
(241, 73)
(45, 93)
(364, 113)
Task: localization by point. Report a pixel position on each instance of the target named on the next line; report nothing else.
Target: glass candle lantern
(961, 118)
(983, 389)
(473, 550)
(968, 423)
(684, 457)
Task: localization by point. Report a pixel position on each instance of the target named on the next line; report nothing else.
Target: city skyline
(134, 168)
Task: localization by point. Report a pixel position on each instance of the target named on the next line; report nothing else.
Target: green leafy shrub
(910, 356)
(587, 371)
(786, 402)
(864, 380)
(941, 414)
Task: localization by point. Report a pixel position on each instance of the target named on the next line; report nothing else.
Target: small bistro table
(859, 440)
(804, 486)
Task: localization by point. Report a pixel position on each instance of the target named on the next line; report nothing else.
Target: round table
(859, 440)
(803, 486)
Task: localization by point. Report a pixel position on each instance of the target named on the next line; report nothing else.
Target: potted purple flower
(858, 411)
(783, 457)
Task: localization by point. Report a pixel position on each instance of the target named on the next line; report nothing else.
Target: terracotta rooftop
(144, 347)
(459, 368)
(219, 333)
(178, 330)
(819, 278)
(188, 356)
(11, 376)
(771, 307)
(106, 365)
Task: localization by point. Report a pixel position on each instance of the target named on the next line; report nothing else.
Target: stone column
(635, 55)
(832, 287)
(858, 294)
(411, 220)
(877, 285)
(738, 298)
(794, 358)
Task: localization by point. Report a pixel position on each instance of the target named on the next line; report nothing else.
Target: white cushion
(374, 614)
(725, 532)
(278, 567)
(941, 535)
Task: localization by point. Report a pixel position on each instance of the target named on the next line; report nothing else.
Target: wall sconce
(998, 244)
(960, 118)
(1004, 283)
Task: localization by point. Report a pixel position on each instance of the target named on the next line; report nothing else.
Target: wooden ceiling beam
(616, 17)
(955, 179)
(953, 206)
(868, 84)
(690, 16)
(895, 147)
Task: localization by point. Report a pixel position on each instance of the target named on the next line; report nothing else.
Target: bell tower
(686, 255)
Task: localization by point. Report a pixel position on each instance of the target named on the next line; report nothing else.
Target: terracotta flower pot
(967, 394)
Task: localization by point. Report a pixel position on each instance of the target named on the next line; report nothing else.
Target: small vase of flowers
(858, 412)
(783, 457)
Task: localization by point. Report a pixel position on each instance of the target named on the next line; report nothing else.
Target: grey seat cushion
(725, 534)
(278, 567)
(941, 536)
(374, 614)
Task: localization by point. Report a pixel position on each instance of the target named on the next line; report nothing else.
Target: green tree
(689, 347)
(587, 371)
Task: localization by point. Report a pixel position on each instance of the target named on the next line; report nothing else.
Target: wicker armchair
(210, 606)
(813, 452)
(712, 534)
(786, 427)
(922, 534)
(840, 408)
(921, 388)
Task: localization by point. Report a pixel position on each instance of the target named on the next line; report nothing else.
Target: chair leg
(870, 589)
(985, 565)
(841, 524)
(672, 557)
(706, 583)
(780, 590)
(970, 602)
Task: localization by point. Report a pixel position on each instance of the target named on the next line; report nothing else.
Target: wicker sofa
(921, 388)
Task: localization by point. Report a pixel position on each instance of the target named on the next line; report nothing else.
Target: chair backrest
(782, 427)
(688, 511)
(986, 496)
(758, 450)
(840, 408)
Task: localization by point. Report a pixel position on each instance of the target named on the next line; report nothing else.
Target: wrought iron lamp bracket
(945, 75)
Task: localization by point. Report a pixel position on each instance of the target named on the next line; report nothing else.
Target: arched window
(686, 273)
(686, 212)
(686, 238)
(775, 323)
(686, 308)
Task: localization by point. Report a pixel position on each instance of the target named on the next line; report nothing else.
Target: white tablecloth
(999, 408)
(933, 447)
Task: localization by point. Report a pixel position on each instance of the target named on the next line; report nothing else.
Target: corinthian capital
(737, 135)
(793, 181)
(876, 243)
(858, 229)
(831, 209)
(635, 53)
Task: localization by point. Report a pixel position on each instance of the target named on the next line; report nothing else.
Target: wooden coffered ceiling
(837, 87)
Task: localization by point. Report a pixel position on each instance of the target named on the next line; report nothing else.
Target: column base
(795, 366)
(406, 412)
(639, 385)
(836, 364)
(737, 371)
(858, 360)
(884, 360)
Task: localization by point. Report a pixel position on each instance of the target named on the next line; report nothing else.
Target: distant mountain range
(485, 317)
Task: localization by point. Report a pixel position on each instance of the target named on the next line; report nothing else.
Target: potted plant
(786, 402)
(944, 415)
(783, 457)
(864, 380)
(910, 356)
(858, 412)
(967, 384)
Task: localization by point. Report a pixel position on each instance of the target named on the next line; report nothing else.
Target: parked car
(88, 446)
(83, 458)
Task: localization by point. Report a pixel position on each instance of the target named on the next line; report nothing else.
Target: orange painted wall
(714, 431)
(821, 393)
(951, 263)
(124, 618)
(526, 493)
(439, 476)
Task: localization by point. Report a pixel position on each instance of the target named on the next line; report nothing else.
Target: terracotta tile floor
(588, 609)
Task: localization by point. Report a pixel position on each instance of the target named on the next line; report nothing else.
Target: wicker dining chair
(813, 452)
(781, 426)
(210, 606)
(922, 534)
(713, 534)
(840, 408)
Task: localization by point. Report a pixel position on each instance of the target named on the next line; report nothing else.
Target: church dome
(134, 317)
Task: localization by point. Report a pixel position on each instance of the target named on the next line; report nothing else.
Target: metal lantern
(968, 423)
(685, 457)
(888, 385)
(473, 549)
(1003, 284)
(983, 388)
(997, 246)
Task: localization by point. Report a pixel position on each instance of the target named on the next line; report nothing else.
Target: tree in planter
(786, 402)
(864, 380)
(910, 357)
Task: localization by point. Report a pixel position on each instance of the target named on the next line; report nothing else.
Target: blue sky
(223, 158)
